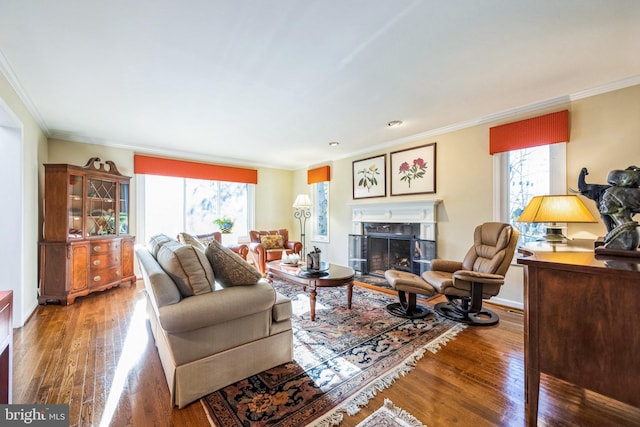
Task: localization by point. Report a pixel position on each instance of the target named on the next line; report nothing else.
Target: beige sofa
(211, 336)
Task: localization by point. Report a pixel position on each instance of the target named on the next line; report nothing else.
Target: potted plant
(224, 224)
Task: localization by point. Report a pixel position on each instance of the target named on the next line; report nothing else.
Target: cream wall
(33, 150)
(273, 193)
(604, 135)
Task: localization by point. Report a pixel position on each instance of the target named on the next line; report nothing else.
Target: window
(522, 174)
(170, 205)
(320, 211)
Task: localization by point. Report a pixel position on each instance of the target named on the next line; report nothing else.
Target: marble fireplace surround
(422, 212)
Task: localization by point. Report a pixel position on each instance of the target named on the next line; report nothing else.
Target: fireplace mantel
(418, 211)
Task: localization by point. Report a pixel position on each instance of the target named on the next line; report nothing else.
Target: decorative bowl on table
(290, 259)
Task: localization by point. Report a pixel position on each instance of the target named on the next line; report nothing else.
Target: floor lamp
(302, 211)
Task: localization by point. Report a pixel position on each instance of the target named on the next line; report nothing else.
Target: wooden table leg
(312, 303)
(349, 294)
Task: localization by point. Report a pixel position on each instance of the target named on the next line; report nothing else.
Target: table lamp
(555, 209)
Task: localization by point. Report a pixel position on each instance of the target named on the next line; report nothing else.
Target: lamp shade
(563, 208)
(302, 202)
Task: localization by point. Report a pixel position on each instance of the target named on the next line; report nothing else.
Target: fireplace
(400, 236)
(385, 246)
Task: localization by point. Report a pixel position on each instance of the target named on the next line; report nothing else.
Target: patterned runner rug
(340, 361)
(389, 415)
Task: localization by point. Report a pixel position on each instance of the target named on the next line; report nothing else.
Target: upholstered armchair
(480, 275)
(204, 240)
(266, 246)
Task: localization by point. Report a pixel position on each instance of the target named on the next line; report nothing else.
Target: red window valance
(196, 170)
(541, 130)
(323, 173)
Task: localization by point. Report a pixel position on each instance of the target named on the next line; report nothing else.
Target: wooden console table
(582, 323)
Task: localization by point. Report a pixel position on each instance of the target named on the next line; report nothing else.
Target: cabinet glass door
(101, 200)
(75, 206)
(123, 216)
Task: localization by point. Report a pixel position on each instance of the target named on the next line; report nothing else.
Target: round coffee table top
(334, 271)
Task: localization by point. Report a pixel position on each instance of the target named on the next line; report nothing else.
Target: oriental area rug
(389, 415)
(340, 361)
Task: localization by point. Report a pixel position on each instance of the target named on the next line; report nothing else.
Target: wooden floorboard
(98, 356)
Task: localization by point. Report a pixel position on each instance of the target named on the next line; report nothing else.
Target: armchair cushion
(229, 268)
(272, 242)
(446, 265)
(187, 266)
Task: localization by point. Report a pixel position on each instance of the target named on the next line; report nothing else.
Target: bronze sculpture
(618, 201)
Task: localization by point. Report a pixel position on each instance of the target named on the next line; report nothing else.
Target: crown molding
(11, 77)
(502, 115)
(609, 87)
(162, 152)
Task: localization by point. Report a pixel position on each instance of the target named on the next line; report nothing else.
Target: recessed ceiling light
(334, 144)
(394, 123)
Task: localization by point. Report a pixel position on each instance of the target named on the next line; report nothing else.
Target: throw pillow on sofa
(188, 267)
(230, 269)
(188, 239)
(156, 242)
(272, 241)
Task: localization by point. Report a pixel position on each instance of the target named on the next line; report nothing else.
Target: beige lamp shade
(553, 209)
(302, 202)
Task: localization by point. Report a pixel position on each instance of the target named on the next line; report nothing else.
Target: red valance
(323, 173)
(196, 170)
(541, 130)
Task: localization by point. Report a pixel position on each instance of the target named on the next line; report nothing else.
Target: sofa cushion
(188, 267)
(272, 241)
(156, 242)
(282, 308)
(230, 269)
(188, 239)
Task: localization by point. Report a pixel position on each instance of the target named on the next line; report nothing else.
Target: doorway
(11, 217)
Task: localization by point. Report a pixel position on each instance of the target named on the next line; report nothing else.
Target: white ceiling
(273, 82)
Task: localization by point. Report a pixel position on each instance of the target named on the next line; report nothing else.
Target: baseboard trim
(506, 303)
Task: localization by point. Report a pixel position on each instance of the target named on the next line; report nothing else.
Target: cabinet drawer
(104, 276)
(105, 260)
(105, 246)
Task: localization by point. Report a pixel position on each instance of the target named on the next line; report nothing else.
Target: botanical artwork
(413, 171)
(369, 177)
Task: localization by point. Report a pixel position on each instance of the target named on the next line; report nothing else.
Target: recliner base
(418, 312)
(483, 317)
(407, 309)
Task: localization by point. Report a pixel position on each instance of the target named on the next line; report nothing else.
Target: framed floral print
(413, 171)
(369, 177)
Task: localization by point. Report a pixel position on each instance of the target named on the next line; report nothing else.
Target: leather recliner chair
(480, 275)
(263, 253)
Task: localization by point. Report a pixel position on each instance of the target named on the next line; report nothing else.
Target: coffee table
(333, 276)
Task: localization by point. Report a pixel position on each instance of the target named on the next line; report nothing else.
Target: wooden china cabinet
(87, 246)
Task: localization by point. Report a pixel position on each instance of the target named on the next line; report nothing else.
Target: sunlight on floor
(310, 345)
(300, 305)
(132, 350)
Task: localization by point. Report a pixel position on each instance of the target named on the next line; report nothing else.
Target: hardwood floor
(98, 355)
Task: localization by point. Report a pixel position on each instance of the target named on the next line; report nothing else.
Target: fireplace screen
(386, 246)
